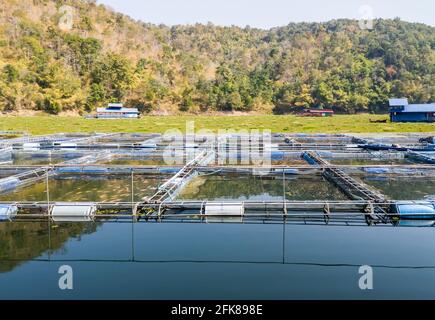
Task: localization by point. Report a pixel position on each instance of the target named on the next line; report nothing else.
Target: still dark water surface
(214, 261)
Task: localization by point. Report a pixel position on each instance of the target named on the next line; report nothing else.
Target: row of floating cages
(9, 134)
(405, 213)
(43, 157)
(85, 187)
(31, 142)
(276, 156)
(128, 138)
(375, 155)
(117, 185)
(309, 186)
(399, 138)
(165, 139)
(262, 140)
(20, 157)
(231, 164)
(58, 212)
(153, 146)
(35, 146)
(318, 139)
(7, 175)
(141, 158)
(277, 172)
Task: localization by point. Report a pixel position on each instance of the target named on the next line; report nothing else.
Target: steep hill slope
(57, 58)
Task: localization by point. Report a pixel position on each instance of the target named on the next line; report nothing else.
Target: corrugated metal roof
(398, 102)
(420, 108)
(118, 110)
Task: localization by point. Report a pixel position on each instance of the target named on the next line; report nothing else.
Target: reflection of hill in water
(403, 188)
(248, 187)
(86, 188)
(23, 241)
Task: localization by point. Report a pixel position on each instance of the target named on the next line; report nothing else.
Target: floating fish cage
(151, 177)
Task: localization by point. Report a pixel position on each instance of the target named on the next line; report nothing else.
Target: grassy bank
(340, 124)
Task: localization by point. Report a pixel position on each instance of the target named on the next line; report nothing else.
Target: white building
(116, 111)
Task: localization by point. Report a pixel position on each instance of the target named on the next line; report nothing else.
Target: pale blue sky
(269, 13)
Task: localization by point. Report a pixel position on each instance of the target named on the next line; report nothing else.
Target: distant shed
(402, 111)
(116, 111)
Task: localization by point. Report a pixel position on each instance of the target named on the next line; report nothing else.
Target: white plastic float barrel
(6, 154)
(148, 145)
(271, 147)
(65, 145)
(224, 212)
(73, 212)
(168, 138)
(110, 146)
(31, 146)
(325, 154)
(7, 184)
(8, 212)
(352, 146)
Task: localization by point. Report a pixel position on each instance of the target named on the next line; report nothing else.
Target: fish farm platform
(232, 178)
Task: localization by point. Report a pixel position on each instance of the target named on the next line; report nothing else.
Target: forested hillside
(106, 56)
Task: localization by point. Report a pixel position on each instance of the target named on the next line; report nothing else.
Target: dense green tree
(10, 73)
(187, 100)
(113, 73)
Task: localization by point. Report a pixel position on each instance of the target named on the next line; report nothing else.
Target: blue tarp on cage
(69, 170)
(96, 170)
(169, 170)
(308, 159)
(277, 155)
(377, 170)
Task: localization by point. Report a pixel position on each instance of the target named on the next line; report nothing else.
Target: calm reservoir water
(214, 261)
(146, 260)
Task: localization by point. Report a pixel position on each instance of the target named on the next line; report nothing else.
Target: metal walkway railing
(378, 203)
(171, 187)
(346, 183)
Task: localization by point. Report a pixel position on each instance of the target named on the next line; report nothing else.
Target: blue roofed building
(116, 111)
(402, 111)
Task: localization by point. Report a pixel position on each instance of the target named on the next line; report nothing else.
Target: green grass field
(159, 124)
